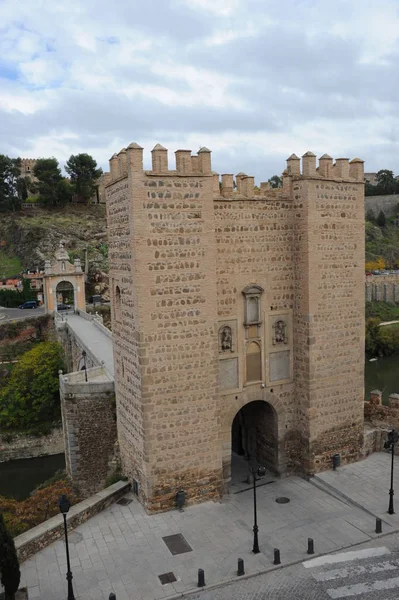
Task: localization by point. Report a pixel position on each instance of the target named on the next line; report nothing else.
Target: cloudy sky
(254, 80)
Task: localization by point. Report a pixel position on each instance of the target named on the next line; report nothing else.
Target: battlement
(131, 158)
(342, 169)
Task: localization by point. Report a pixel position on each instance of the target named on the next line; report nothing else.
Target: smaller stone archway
(63, 282)
(66, 293)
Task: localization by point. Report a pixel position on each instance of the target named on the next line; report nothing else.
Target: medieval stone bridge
(81, 331)
(87, 400)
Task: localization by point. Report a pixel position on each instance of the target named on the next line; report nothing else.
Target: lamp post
(393, 437)
(260, 472)
(84, 354)
(64, 506)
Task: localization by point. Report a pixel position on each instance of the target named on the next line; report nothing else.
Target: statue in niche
(226, 339)
(280, 336)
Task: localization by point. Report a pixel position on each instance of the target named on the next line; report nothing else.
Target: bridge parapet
(89, 426)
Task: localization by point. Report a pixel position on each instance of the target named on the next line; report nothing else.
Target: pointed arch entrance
(254, 440)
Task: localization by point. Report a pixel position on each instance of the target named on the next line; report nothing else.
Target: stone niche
(228, 355)
(279, 347)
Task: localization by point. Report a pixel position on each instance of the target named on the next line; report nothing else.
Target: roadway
(369, 571)
(16, 314)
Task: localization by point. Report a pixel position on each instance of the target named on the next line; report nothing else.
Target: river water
(382, 374)
(20, 477)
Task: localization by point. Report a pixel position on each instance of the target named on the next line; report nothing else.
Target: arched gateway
(254, 441)
(64, 282)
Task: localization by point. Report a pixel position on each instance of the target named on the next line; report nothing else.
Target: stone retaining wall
(16, 446)
(41, 536)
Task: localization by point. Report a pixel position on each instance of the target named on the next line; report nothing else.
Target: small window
(254, 362)
(63, 266)
(117, 297)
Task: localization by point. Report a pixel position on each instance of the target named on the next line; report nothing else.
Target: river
(382, 374)
(19, 477)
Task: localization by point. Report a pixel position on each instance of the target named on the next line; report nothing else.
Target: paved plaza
(122, 549)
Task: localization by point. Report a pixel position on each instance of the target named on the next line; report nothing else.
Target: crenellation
(342, 168)
(325, 166)
(239, 177)
(293, 165)
(122, 163)
(247, 186)
(356, 169)
(183, 162)
(114, 167)
(309, 164)
(204, 161)
(227, 185)
(159, 156)
(135, 158)
(215, 184)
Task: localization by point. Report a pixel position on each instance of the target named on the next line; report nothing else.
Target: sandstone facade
(238, 319)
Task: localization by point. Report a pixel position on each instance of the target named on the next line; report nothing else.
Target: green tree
(370, 216)
(275, 182)
(386, 182)
(53, 189)
(9, 565)
(10, 187)
(31, 396)
(381, 220)
(83, 171)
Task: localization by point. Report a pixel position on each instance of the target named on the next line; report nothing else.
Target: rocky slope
(33, 236)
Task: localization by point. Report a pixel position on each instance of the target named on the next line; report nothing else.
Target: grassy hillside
(9, 266)
(383, 242)
(30, 237)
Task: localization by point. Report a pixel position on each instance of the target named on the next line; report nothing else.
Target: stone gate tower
(238, 319)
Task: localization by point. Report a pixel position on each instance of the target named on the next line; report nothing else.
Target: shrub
(381, 220)
(40, 506)
(31, 395)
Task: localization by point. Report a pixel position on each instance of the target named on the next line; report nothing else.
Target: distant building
(370, 178)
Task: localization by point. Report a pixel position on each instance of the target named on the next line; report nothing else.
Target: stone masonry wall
(188, 260)
(174, 280)
(254, 237)
(16, 446)
(89, 425)
(329, 317)
(382, 288)
(388, 204)
(125, 327)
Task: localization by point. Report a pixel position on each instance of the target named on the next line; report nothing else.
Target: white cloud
(252, 79)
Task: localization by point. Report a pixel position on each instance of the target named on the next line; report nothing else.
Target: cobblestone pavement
(370, 571)
(122, 549)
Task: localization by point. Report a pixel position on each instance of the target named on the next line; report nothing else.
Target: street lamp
(84, 354)
(256, 472)
(393, 437)
(65, 505)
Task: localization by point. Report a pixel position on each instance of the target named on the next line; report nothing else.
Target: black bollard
(201, 578)
(378, 526)
(277, 560)
(240, 570)
(310, 546)
(112, 596)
